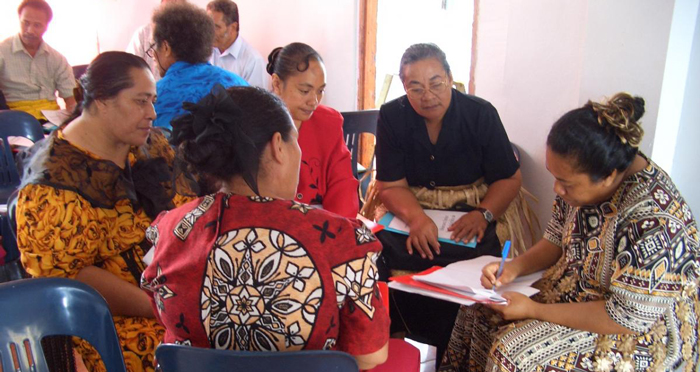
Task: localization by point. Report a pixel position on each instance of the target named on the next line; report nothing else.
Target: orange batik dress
(76, 210)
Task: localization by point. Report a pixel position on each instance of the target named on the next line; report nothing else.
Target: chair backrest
(354, 124)
(180, 358)
(35, 308)
(14, 123)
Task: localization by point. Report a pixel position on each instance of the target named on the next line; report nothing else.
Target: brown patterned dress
(75, 210)
(639, 253)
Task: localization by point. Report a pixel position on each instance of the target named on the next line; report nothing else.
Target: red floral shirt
(258, 274)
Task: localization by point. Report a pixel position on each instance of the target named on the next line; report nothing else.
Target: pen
(504, 254)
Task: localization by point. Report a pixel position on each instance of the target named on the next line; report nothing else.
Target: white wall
(331, 27)
(686, 172)
(538, 59)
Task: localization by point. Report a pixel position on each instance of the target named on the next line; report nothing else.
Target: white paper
(429, 293)
(56, 117)
(148, 258)
(465, 277)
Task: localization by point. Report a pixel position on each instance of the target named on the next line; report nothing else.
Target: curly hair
(600, 137)
(188, 30)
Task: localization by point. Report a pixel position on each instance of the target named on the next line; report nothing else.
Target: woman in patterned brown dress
(620, 292)
(248, 268)
(89, 192)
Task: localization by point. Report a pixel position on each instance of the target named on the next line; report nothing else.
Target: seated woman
(439, 149)
(247, 268)
(621, 252)
(183, 35)
(325, 178)
(89, 192)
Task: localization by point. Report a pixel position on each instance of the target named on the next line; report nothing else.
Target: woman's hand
(422, 236)
(468, 226)
(489, 272)
(518, 307)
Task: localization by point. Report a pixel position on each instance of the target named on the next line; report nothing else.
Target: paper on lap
(465, 277)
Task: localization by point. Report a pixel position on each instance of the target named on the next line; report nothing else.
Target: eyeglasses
(435, 88)
(151, 50)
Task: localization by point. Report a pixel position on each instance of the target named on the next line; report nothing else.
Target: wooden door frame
(366, 83)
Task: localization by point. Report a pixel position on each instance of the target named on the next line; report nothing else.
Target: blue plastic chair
(14, 123)
(180, 358)
(35, 308)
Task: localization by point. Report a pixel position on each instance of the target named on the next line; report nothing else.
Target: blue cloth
(186, 82)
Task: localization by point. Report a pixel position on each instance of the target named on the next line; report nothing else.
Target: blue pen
(504, 254)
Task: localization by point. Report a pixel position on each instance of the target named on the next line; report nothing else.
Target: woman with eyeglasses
(325, 178)
(439, 149)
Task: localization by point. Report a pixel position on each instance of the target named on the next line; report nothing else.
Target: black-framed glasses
(151, 50)
(434, 87)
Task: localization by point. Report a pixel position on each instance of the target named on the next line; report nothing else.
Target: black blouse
(472, 144)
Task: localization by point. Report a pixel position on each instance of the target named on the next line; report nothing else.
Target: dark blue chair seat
(180, 358)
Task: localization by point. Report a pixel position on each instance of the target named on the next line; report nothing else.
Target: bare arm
(369, 361)
(123, 298)
(400, 201)
(70, 103)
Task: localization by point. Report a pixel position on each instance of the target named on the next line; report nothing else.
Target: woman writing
(621, 252)
(325, 178)
(247, 268)
(91, 190)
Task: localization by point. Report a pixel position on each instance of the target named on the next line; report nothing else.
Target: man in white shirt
(142, 40)
(231, 52)
(31, 72)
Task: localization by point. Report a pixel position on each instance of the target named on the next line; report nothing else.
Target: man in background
(31, 72)
(231, 52)
(142, 40)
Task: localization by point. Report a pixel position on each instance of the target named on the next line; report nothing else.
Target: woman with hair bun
(92, 188)
(620, 290)
(248, 268)
(325, 178)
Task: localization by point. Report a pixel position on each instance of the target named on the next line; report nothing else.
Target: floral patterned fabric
(232, 272)
(76, 210)
(638, 252)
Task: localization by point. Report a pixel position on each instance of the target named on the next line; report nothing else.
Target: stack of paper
(460, 282)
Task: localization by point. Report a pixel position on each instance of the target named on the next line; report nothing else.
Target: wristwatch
(488, 216)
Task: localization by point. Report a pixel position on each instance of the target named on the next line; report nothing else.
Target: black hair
(188, 30)
(292, 59)
(419, 52)
(106, 76)
(228, 8)
(600, 137)
(37, 4)
(225, 133)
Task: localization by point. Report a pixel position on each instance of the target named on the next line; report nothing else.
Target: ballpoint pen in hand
(504, 255)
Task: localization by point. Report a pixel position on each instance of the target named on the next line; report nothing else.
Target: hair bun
(622, 113)
(272, 59)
